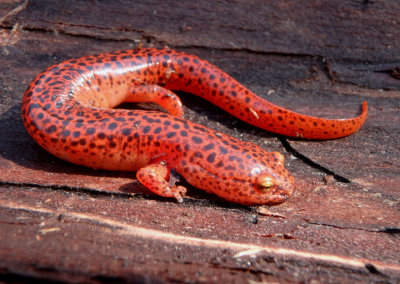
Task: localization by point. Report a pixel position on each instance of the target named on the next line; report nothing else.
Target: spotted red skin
(67, 109)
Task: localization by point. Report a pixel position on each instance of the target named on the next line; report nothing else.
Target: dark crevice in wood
(24, 277)
(372, 269)
(144, 36)
(390, 230)
(340, 227)
(83, 190)
(310, 162)
(384, 230)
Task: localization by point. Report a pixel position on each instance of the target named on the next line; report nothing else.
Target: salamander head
(269, 182)
(256, 179)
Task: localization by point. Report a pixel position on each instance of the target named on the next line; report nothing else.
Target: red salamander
(68, 110)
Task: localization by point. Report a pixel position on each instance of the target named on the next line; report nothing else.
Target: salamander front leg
(155, 177)
(143, 93)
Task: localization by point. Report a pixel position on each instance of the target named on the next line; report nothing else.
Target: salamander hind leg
(155, 176)
(156, 94)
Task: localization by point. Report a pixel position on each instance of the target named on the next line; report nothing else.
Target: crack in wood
(58, 27)
(75, 189)
(152, 38)
(342, 227)
(390, 230)
(310, 162)
(145, 35)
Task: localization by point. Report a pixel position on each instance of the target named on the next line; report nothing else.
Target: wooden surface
(60, 222)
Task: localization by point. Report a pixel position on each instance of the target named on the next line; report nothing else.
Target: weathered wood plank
(352, 30)
(317, 58)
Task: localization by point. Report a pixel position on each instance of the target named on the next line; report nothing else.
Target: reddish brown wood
(67, 223)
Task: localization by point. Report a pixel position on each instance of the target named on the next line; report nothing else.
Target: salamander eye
(265, 183)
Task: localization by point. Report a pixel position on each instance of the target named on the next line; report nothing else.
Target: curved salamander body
(67, 109)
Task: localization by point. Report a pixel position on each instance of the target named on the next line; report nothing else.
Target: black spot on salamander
(101, 135)
(126, 131)
(235, 147)
(47, 107)
(220, 164)
(197, 140)
(201, 128)
(66, 133)
(146, 129)
(90, 131)
(171, 134)
(55, 83)
(208, 147)
(33, 106)
(51, 129)
(198, 154)
(211, 158)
